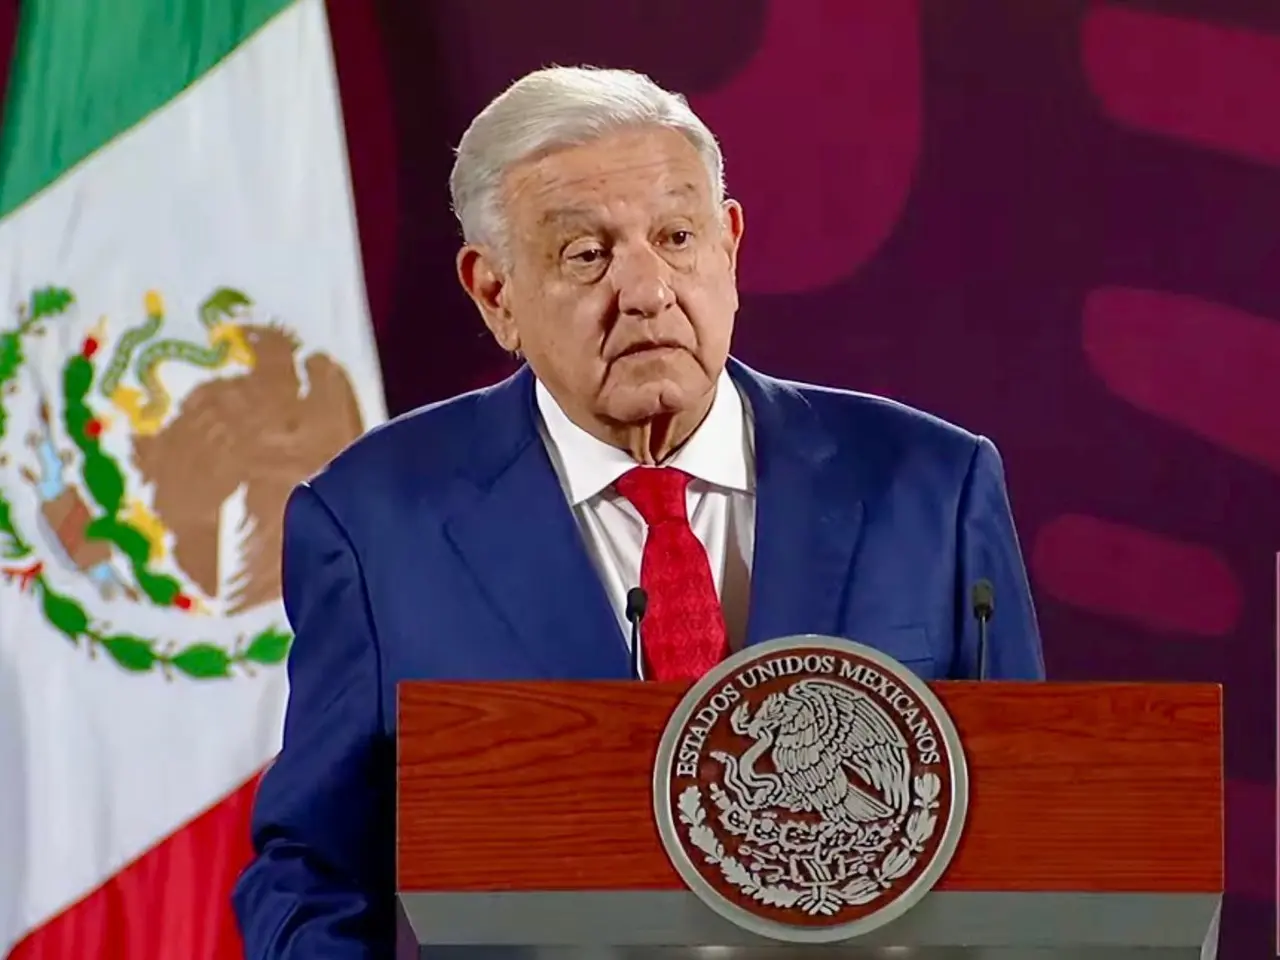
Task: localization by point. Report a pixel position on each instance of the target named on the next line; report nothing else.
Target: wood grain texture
(547, 786)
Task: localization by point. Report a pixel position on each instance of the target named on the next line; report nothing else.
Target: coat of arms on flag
(137, 456)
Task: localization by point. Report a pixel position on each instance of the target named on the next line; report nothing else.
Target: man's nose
(643, 281)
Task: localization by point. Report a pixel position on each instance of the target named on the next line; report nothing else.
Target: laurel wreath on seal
(203, 660)
(861, 890)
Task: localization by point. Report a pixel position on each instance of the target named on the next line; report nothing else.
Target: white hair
(555, 108)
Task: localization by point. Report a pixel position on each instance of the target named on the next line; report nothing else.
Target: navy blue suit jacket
(441, 546)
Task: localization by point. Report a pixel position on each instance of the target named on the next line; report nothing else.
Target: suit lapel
(518, 537)
(809, 511)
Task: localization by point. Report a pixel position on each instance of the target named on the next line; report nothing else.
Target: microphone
(637, 604)
(983, 602)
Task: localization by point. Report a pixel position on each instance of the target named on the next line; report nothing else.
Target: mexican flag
(184, 336)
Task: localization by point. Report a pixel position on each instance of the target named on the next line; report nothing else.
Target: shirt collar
(720, 452)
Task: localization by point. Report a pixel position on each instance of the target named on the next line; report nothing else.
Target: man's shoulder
(864, 419)
(891, 445)
(418, 453)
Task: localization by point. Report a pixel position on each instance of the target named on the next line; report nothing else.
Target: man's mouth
(647, 347)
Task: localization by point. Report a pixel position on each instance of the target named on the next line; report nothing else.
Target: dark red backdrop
(1057, 223)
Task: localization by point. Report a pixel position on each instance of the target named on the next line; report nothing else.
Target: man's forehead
(638, 166)
(562, 210)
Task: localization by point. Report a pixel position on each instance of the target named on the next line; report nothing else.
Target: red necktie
(684, 631)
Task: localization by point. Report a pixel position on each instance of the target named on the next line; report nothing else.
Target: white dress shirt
(720, 456)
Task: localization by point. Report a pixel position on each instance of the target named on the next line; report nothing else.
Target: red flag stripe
(172, 903)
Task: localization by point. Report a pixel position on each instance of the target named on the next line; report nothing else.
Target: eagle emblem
(836, 754)
(810, 789)
(146, 463)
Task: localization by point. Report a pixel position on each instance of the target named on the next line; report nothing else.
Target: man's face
(620, 285)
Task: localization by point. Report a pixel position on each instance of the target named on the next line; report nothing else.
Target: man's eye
(680, 238)
(588, 257)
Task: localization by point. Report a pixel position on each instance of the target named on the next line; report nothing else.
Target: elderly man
(496, 535)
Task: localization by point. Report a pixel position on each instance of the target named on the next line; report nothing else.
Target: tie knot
(657, 492)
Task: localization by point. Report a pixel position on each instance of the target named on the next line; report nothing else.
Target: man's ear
(732, 225)
(485, 279)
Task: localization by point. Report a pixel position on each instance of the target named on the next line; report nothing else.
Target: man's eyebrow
(567, 215)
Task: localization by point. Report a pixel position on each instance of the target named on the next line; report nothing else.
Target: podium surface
(526, 827)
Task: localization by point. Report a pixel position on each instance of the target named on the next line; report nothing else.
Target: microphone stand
(983, 604)
(637, 604)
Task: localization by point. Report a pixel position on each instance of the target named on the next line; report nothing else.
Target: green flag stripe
(86, 71)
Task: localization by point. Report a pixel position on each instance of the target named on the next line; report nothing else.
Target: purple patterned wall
(1053, 221)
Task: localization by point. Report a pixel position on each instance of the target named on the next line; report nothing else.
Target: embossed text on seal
(810, 789)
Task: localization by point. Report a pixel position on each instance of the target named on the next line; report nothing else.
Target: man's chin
(638, 403)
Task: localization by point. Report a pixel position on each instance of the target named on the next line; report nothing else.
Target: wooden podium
(526, 826)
